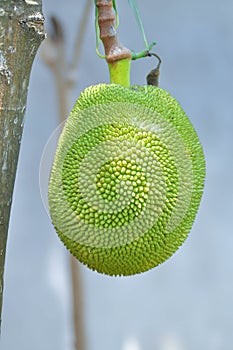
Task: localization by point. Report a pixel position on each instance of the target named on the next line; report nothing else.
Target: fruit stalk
(118, 56)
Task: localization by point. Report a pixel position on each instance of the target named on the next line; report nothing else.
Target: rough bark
(21, 32)
(114, 50)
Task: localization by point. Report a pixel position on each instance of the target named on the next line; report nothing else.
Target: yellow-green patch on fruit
(127, 178)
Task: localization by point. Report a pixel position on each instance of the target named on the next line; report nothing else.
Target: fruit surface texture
(127, 178)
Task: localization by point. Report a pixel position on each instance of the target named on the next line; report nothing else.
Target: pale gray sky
(187, 302)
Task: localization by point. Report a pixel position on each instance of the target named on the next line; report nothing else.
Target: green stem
(120, 72)
(118, 57)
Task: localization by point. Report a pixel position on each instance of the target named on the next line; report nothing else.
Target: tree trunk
(21, 32)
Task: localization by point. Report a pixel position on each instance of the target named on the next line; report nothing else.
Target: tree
(22, 31)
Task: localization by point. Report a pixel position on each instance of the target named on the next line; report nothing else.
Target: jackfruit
(127, 178)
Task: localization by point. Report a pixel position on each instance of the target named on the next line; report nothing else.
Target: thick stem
(117, 56)
(120, 72)
(21, 26)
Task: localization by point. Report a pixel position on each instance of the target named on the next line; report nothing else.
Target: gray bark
(21, 32)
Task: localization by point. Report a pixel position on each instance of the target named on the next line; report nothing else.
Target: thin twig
(78, 314)
(61, 74)
(80, 35)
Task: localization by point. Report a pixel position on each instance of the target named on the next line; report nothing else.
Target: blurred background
(187, 302)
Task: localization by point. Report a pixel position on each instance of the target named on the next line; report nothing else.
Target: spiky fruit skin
(134, 209)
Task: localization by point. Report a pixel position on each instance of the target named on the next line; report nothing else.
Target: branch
(117, 55)
(114, 50)
(21, 24)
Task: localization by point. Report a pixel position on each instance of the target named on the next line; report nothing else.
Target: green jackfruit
(127, 178)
